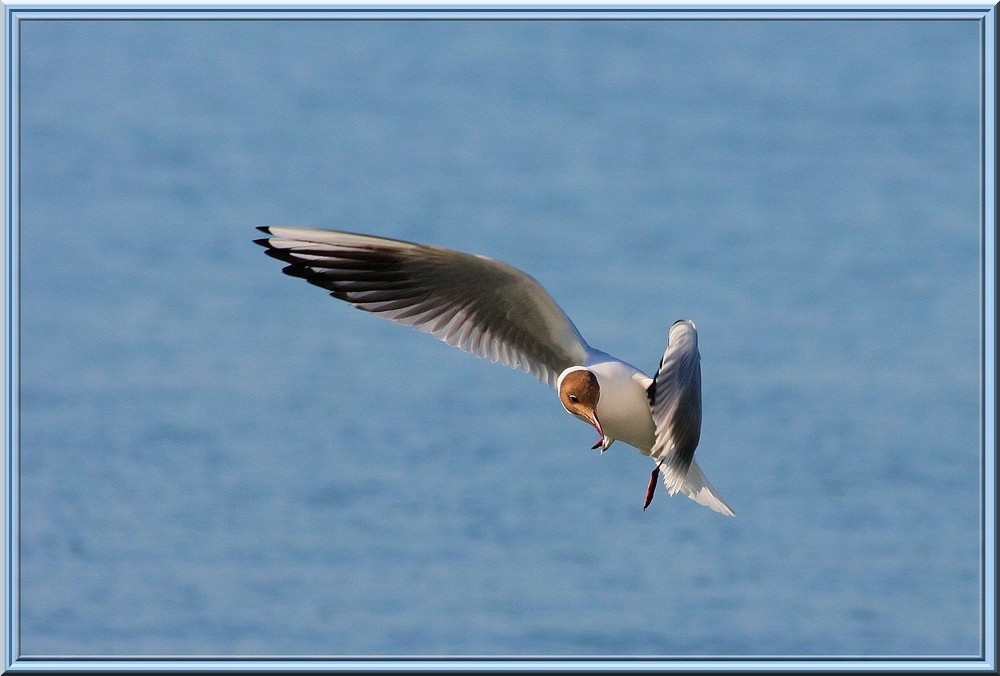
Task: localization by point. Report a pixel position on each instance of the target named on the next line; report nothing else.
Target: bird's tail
(696, 486)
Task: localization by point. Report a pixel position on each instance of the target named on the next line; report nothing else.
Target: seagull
(497, 312)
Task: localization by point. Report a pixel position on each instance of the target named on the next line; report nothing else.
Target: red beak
(592, 419)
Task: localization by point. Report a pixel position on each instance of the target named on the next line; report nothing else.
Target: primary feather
(479, 304)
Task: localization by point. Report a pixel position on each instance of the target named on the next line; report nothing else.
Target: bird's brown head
(579, 393)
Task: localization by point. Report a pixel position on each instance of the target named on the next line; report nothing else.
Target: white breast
(623, 408)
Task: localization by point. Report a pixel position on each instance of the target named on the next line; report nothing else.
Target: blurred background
(217, 459)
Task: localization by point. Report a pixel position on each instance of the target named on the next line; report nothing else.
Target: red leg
(654, 479)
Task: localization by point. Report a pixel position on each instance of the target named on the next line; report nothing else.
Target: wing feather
(675, 401)
(479, 304)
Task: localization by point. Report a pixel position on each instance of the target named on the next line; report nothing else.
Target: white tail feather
(695, 486)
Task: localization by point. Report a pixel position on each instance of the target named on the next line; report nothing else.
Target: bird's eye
(575, 399)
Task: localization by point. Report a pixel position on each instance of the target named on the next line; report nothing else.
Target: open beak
(592, 419)
(604, 442)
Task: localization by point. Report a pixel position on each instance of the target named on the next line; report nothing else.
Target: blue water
(216, 459)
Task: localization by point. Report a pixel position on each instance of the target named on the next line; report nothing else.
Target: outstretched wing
(481, 305)
(675, 401)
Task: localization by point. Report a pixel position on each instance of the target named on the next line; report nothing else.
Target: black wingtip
(283, 255)
(263, 241)
(298, 271)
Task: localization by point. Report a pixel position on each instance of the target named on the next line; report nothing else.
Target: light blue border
(360, 10)
(494, 664)
(986, 14)
(11, 599)
(989, 220)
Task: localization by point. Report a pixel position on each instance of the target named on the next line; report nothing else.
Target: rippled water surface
(219, 459)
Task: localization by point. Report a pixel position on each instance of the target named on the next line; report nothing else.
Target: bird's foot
(654, 478)
(604, 443)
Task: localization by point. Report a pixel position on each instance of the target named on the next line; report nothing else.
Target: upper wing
(481, 305)
(675, 400)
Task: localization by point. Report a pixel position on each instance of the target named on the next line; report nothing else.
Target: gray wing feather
(481, 305)
(675, 401)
